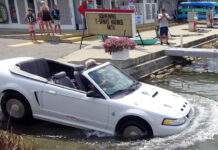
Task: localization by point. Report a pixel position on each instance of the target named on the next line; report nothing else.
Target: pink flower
(118, 44)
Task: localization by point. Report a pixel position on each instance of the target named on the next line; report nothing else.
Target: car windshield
(112, 81)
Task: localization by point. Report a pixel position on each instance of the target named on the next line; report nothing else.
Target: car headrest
(59, 75)
(79, 68)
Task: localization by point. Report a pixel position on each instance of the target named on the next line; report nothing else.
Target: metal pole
(181, 40)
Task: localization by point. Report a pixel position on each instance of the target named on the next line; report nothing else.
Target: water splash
(202, 128)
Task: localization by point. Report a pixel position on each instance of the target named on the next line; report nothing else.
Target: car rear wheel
(15, 107)
(133, 130)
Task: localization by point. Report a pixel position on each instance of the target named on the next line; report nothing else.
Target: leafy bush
(118, 44)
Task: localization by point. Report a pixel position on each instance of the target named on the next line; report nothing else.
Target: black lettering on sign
(103, 21)
(117, 22)
(110, 27)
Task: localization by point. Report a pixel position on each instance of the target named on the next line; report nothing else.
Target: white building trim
(72, 14)
(8, 9)
(17, 12)
(36, 8)
(26, 5)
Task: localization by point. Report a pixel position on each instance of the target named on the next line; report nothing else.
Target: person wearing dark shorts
(163, 22)
(46, 18)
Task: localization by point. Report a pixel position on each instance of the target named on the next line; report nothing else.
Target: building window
(30, 4)
(13, 12)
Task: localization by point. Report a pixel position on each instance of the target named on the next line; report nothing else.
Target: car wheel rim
(15, 108)
(132, 132)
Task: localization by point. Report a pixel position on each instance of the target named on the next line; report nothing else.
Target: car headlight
(174, 122)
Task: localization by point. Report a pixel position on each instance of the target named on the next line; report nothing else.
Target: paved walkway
(94, 49)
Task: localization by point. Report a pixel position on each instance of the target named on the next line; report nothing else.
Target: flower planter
(120, 55)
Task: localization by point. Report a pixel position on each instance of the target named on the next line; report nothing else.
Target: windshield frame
(87, 72)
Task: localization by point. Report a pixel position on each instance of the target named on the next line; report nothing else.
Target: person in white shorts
(56, 17)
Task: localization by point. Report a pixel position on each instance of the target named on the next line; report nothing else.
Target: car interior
(59, 73)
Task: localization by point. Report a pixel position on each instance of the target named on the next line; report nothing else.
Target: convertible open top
(46, 70)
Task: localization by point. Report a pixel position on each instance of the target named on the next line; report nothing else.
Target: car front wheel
(15, 107)
(134, 130)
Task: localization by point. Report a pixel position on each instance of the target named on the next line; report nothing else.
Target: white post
(181, 40)
(36, 7)
(8, 9)
(72, 14)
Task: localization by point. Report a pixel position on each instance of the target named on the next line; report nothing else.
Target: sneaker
(168, 43)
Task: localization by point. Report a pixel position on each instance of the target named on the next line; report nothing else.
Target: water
(198, 83)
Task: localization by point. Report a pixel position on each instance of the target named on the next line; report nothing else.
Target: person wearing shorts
(56, 17)
(31, 20)
(163, 23)
(46, 18)
(40, 22)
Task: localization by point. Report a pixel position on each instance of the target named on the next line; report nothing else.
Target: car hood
(158, 100)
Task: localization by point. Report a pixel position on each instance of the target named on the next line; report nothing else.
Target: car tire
(16, 107)
(133, 130)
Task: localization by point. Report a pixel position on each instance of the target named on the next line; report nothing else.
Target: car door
(73, 107)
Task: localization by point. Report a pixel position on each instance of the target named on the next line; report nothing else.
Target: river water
(198, 83)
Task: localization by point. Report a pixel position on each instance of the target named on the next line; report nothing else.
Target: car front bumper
(166, 130)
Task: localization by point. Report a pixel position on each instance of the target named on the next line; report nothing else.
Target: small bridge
(195, 52)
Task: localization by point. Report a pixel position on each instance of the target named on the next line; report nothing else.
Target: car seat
(62, 79)
(78, 76)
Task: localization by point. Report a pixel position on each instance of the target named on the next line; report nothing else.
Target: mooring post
(181, 40)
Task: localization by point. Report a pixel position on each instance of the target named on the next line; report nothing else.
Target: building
(13, 12)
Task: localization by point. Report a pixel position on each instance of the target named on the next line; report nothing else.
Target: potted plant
(119, 47)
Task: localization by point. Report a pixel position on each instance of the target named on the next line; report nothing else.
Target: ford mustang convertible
(116, 104)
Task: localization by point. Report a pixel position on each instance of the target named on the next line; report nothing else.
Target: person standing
(46, 18)
(56, 16)
(40, 22)
(90, 4)
(31, 20)
(163, 18)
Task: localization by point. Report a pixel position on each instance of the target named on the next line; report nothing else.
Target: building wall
(21, 11)
(169, 5)
(2, 1)
(65, 11)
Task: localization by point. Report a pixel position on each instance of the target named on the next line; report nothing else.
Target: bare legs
(32, 36)
(41, 29)
(49, 27)
(59, 28)
(164, 37)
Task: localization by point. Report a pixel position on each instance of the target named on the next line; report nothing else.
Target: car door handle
(51, 92)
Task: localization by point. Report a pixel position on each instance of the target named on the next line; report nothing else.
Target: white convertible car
(59, 92)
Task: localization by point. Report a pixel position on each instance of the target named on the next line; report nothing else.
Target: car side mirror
(93, 94)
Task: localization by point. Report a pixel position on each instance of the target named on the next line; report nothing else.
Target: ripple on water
(202, 128)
